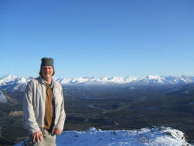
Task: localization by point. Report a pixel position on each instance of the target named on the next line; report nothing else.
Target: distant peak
(107, 80)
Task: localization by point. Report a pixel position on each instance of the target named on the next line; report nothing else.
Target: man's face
(47, 72)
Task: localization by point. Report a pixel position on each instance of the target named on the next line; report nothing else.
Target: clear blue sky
(97, 37)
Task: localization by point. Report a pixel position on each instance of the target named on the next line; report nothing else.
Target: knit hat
(47, 61)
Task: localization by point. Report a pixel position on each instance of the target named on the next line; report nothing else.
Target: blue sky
(97, 37)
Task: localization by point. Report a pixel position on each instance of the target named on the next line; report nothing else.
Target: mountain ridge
(11, 79)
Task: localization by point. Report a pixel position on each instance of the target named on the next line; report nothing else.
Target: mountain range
(150, 79)
(84, 85)
(113, 103)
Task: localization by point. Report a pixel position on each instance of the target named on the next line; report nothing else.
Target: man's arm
(62, 116)
(29, 118)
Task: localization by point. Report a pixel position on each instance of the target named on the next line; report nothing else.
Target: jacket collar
(42, 81)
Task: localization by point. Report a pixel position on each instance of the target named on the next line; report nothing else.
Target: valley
(108, 107)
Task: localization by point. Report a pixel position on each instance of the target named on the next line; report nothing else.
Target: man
(43, 106)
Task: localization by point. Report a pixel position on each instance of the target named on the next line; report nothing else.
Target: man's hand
(37, 136)
(57, 131)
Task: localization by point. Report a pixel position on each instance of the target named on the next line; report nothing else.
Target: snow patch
(144, 137)
(3, 99)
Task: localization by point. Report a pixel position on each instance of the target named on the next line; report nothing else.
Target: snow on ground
(143, 137)
(3, 99)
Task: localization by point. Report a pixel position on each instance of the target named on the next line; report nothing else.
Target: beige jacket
(34, 105)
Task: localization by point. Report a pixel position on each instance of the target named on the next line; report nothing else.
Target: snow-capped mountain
(7, 79)
(12, 82)
(3, 99)
(166, 79)
(143, 137)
